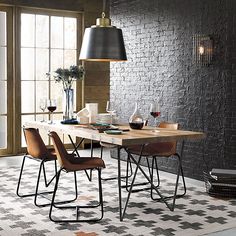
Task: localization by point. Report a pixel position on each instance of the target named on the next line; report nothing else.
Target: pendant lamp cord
(103, 8)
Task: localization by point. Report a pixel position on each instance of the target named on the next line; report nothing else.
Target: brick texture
(158, 38)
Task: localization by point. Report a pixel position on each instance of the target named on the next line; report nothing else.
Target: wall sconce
(202, 49)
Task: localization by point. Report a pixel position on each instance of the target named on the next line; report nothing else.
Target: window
(5, 81)
(43, 41)
(47, 43)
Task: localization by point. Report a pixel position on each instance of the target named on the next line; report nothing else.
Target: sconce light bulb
(201, 50)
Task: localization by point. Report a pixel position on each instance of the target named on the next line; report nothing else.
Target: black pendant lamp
(103, 42)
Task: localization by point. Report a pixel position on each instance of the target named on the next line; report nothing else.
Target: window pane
(27, 30)
(57, 116)
(56, 59)
(42, 91)
(27, 64)
(24, 119)
(42, 64)
(57, 93)
(3, 131)
(44, 134)
(3, 100)
(56, 32)
(2, 28)
(69, 58)
(42, 31)
(70, 33)
(27, 97)
(3, 64)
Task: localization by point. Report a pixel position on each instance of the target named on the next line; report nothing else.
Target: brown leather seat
(70, 163)
(163, 149)
(36, 150)
(160, 149)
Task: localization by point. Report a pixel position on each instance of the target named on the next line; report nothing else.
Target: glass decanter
(136, 120)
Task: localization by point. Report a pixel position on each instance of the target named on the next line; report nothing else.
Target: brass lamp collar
(103, 22)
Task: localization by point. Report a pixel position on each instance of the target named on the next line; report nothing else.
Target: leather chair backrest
(168, 146)
(60, 150)
(35, 145)
(161, 148)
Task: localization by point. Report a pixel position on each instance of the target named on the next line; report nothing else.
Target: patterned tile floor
(195, 214)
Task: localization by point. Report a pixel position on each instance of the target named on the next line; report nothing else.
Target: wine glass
(52, 106)
(43, 106)
(155, 112)
(110, 110)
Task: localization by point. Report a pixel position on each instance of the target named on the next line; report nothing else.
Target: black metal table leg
(119, 183)
(122, 211)
(75, 146)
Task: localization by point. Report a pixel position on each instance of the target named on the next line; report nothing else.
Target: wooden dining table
(126, 138)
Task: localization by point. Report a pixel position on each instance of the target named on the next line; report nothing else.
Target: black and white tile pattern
(195, 214)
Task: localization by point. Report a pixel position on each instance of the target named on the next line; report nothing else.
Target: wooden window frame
(10, 82)
(14, 128)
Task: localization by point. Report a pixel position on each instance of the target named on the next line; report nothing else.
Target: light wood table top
(145, 135)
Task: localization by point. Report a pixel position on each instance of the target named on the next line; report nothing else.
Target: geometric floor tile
(196, 214)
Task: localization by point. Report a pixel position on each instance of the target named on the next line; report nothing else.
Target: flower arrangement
(67, 76)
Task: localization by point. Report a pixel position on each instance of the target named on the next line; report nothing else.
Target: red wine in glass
(134, 125)
(155, 112)
(52, 106)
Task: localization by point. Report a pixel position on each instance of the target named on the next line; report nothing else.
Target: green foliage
(67, 76)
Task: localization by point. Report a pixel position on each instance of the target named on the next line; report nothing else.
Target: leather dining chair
(70, 164)
(37, 151)
(156, 150)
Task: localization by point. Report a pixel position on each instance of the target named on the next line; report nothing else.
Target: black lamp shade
(103, 44)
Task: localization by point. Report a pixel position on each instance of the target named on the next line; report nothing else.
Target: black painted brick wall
(158, 37)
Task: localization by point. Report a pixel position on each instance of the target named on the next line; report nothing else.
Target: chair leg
(20, 178)
(143, 183)
(110, 178)
(137, 184)
(138, 166)
(101, 154)
(77, 208)
(47, 183)
(180, 170)
(100, 192)
(59, 202)
(128, 166)
(175, 196)
(151, 170)
(37, 185)
(157, 172)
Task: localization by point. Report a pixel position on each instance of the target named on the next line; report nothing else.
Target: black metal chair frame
(179, 172)
(77, 207)
(149, 178)
(46, 182)
(128, 166)
(150, 170)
